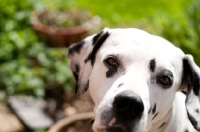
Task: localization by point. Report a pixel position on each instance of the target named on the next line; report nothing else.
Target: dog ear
(81, 59)
(192, 81)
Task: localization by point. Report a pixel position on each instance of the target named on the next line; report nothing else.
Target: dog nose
(128, 105)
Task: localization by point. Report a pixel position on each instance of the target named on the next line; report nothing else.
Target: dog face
(133, 77)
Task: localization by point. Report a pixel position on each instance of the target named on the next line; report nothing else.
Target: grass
(126, 12)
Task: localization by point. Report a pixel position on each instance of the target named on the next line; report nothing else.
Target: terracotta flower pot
(64, 37)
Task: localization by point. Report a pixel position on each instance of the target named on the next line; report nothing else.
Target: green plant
(40, 130)
(124, 13)
(183, 31)
(27, 65)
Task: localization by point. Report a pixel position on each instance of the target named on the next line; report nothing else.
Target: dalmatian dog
(136, 81)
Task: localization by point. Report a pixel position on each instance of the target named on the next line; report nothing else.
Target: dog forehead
(139, 43)
(136, 38)
(137, 49)
(122, 36)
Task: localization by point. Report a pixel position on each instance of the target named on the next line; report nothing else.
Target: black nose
(128, 105)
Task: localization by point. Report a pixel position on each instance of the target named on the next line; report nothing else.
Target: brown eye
(165, 80)
(112, 62)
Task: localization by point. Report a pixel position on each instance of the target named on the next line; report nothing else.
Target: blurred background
(36, 83)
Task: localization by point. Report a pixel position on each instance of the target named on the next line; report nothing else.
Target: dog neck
(176, 114)
(161, 125)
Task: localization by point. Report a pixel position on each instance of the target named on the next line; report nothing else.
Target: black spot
(152, 65)
(120, 85)
(184, 92)
(124, 73)
(192, 120)
(154, 116)
(191, 76)
(76, 48)
(162, 125)
(97, 45)
(88, 58)
(76, 72)
(154, 109)
(111, 72)
(197, 110)
(196, 84)
(79, 90)
(77, 68)
(149, 110)
(86, 86)
(75, 76)
(76, 88)
(186, 130)
(96, 37)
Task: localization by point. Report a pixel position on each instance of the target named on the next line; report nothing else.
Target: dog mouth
(113, 126)
(116, 128)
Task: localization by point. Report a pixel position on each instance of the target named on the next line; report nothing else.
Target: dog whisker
(89, 122)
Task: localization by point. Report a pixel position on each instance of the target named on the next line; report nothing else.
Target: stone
(8, 121)
(31, 112)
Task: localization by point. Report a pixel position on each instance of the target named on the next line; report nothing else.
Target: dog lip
(101, 128)
(112, 121)
(115, 128)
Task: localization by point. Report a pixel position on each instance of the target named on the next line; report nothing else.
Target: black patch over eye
(165, 79)
(112, 65)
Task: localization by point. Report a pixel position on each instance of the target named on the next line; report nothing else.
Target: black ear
(82, 57)
(192, 79)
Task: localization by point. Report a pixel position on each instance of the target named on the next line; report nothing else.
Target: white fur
(135, 48)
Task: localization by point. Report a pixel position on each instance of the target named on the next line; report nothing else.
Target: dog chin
(110, 129)
(123, 126)
(116, 128)
(114, 124)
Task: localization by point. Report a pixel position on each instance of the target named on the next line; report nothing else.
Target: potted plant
(64, 27)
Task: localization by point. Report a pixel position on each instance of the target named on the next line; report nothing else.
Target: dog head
(133, 77)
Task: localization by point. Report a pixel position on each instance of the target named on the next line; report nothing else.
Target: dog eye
(165, 79)
(111, 61)
(112, 64)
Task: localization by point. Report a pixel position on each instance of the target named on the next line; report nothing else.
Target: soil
(64, 19)
(70, 105)
(79, 126)
(80, 105)
(60, 105)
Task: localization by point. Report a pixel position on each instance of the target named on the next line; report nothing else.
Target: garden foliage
(27, 64)
(183, 31)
